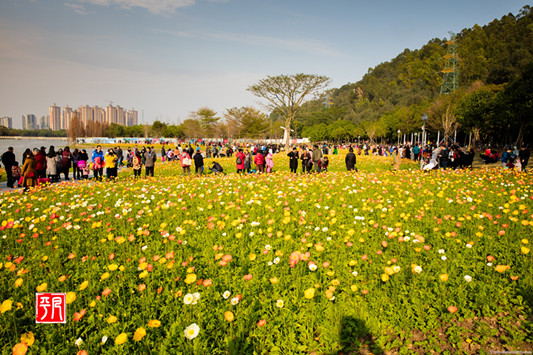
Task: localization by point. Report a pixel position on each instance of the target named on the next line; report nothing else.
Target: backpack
(239, 160)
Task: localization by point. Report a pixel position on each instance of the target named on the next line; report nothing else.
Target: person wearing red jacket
(259, 161)
(240, 157)
(40, 160)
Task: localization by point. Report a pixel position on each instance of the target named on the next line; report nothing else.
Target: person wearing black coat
(350, 160)
(293, 161)
(8, 158)
(523, 156)
(198, 162)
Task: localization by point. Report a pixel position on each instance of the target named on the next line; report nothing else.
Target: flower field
(277, 263)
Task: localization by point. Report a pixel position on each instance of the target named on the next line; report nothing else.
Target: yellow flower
(62, 278)
(121, 339)
(104, 276)
(111, 319)
(84, 285)
(92, 304)
(143, 274)
(335, 282)
(274, 280)
(71, 297)
(389, 271)
(27, 338)
(502, 268)
(229, 316)
(42, 287)
(112, 267)
(154, 323)
(19, 282)
(525, 250)
(443, 277)
(252, 257)
(6, 306)
(353, 288)
(139, 334)
(309, 293)
(190, 279)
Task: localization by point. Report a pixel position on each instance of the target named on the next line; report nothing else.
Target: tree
(246, 122)
(207, 120)
(286, 93)
(75, 129)
(191, 128)
(158, 128)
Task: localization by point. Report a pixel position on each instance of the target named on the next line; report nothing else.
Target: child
(82, 166)
(323, 164)
(15, 171)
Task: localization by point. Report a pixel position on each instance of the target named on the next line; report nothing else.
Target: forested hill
(395, 94)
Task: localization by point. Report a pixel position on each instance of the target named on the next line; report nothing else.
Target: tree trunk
(287, 135)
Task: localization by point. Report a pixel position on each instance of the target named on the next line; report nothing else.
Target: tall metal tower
(450, 79)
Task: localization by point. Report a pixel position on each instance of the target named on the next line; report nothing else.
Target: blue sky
(167, 58)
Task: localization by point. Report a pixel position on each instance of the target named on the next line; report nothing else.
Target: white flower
(192, 331)
(355, 273)
(268, 247)
(276, 260)
(418, 269)
(104, 340)
(270, 263)
(188, 299)
(312, 267)
(144, 247)
(489, 264)
(226, 294)
(280, 303)
(78, 342)
(443, 257)
(396, 268)
(468, 245)
(441, 251)
(195, 297)
(407, 239)
(468, 278)
(234, 301)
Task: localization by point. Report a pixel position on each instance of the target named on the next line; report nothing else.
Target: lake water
(20, 145)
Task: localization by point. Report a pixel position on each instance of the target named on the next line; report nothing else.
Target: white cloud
(78, 8)
(298, 45)
(154, 6)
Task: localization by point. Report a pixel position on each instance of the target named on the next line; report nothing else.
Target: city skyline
(168, 58)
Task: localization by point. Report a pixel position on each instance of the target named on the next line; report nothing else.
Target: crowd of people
(42, 165)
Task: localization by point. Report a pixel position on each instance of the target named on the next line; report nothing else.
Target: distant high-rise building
(6, 122)
(55, 118)
(132, 117)
(99, 114)
(29, 121)
(111, 114)
(44, 122)
(66, 116)
(86, 114)
(121, 118)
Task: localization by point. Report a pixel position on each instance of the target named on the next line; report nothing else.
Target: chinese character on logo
(51, 308)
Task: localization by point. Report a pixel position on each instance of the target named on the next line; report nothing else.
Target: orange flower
(502, 268)
(154, 323)
(229, 316)
(106, 292)
(261, 323)
(27, 338)
(20, 349)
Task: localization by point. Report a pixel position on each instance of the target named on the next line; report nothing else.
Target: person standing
(186, 162)
(240, 157)
(523, 156)
(350, 160)
(8, 158)
(28, 172)
(306, 161)
(293, 159)
(269, 161)
(149, 161)
(247, 161)
(198, 162)
(98, 162)
(40, 160)
(136, 163)
(259, 161)
(51, 165)
(416, 152)
(395, 159)
(110, 164)
(317, 154)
